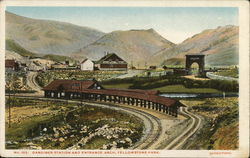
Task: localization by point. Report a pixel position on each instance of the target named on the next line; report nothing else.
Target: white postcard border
(243, 150)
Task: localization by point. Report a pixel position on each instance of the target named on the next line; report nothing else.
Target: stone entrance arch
(196, 58)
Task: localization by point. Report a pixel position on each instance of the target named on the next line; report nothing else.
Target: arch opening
(194, 69)
(193, 61)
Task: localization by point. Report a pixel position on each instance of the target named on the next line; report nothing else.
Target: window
(63, 94)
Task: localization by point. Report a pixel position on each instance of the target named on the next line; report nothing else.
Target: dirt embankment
(220, 130)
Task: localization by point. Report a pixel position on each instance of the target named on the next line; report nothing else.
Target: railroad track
(153, 122)
(192, 128)
(155, 132)
(155, 126)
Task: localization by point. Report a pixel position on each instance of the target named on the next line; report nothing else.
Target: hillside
(220, 46)
(15, 51)
(31, 37)
(11, 45)
(135, 46)
(48, 37)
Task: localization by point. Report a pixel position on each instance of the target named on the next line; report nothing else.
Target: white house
(87, 65)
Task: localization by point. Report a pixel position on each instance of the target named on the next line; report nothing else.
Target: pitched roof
(106, 57)
(148, 95)
(67, 84)
(85, 61)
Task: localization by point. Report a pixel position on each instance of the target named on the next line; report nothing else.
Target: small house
(87, 65)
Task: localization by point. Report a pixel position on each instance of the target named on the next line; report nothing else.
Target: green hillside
(58, 58)
(11, 45)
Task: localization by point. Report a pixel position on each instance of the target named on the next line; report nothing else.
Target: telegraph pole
(9, 111)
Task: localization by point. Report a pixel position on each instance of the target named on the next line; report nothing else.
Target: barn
(111, 62)
(87, 65)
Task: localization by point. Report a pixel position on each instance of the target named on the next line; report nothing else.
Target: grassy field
(173, 84)
(182, 89)
(229, 73)
(221, 117)
(122, 85)
(168, 88)
(66, 124)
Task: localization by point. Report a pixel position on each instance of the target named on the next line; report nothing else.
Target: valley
(71, 87)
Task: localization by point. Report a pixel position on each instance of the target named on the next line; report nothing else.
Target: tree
(165, 67)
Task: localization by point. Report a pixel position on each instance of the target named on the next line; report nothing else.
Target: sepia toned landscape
(74, 87)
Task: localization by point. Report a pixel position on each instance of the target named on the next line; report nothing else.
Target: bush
(156, 82)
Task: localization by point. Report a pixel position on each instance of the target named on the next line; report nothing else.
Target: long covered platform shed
(91, 90)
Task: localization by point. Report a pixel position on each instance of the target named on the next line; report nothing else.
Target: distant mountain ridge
(220, 45)
(48, 37)
(138, 47)
(133, 45)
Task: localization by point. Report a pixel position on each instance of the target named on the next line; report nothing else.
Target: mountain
(48, 37)
(31, 37)
(15, 51)
(135, 46)
(220, 45)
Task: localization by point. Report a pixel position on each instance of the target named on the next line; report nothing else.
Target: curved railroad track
(154, 133)
(152, 129)
(192, 128)
(153, 126)
(151, 122)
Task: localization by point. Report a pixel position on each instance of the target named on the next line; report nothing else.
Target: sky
(173, 23)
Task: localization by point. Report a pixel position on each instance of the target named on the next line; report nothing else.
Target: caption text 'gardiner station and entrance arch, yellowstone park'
(92, 90)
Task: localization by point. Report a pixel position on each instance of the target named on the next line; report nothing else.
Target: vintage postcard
(124, 78)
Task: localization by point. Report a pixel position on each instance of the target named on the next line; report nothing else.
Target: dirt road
(31, 82)
(131, 73)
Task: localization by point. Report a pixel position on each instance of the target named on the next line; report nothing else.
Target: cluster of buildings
(109, 62)
(13, 65)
